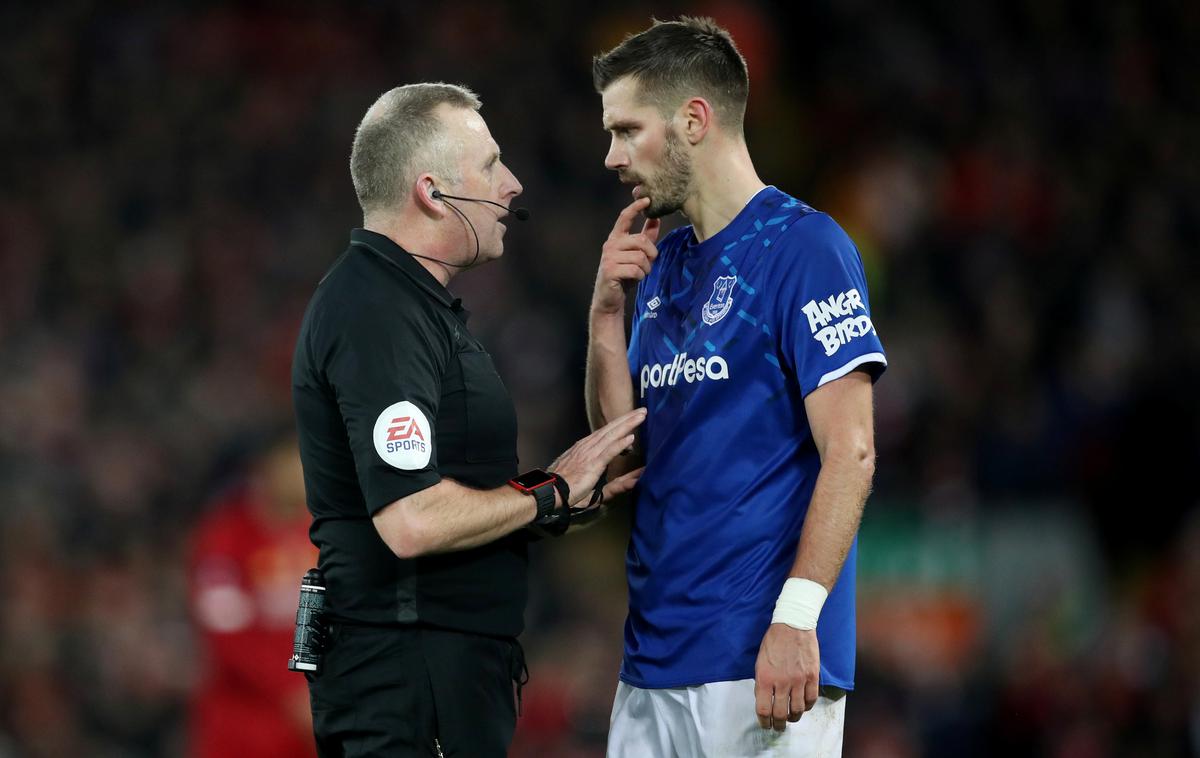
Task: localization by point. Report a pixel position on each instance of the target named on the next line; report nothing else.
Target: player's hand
(582, 465)
(625, 259)
(621, 484)
(786, 676)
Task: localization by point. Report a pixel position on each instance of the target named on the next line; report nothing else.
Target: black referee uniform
(392, 393)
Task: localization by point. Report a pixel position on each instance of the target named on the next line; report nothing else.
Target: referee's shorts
(415, 691)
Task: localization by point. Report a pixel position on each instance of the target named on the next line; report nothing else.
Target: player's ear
(696, 116)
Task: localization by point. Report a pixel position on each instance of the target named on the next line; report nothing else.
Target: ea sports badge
(403, 437)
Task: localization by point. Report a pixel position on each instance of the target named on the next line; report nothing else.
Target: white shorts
(716, 720)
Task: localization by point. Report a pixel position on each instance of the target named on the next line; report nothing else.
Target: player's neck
(725, 181)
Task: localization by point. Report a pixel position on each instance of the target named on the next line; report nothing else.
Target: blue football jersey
(729, 335)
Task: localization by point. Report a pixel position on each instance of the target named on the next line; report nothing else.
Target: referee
(408, 441)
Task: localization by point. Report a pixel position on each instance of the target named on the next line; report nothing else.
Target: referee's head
(417, 143)
(401, 136)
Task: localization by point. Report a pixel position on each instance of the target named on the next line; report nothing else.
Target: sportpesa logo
(681, 367)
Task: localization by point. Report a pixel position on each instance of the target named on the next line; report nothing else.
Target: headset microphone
(522, 214)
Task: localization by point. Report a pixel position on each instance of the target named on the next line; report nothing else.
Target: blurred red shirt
(244, 581)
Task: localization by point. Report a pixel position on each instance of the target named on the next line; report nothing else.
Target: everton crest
(720, 301)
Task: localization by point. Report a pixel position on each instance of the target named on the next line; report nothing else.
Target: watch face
(535, 478)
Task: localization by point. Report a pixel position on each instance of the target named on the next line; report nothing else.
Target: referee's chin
(499, 248)
(494, 254)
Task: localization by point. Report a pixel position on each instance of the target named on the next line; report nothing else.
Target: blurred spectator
(248, 555)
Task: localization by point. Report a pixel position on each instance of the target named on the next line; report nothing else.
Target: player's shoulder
(801, 222)
(809, 236)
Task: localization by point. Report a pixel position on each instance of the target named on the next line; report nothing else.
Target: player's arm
(787, 674)
(840, 415)
(625, 260)
(449, 516)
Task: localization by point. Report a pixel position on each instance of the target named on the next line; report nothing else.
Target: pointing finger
(626, 217)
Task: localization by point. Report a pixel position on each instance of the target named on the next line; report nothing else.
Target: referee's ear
(697, 117)
(424, 198)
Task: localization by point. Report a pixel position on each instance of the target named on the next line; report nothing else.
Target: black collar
(385, 248)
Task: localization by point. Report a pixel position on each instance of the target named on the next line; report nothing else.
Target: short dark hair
(675, 60)
(399, 131)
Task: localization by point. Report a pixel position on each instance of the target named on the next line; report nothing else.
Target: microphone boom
(522, 214)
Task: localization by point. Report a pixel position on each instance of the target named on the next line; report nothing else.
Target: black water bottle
(306, 646)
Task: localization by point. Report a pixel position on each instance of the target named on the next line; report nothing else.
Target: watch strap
(544, 496)
(564, 491)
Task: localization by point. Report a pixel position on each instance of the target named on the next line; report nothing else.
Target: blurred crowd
(1021, 178)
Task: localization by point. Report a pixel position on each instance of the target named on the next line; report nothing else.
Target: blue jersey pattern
(728, 337)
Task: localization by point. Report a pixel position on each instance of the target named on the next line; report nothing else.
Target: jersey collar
(736, 226)
(403, 260)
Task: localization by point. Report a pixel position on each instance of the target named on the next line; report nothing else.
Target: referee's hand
(625, 259)
(582, 465)
(786, 676)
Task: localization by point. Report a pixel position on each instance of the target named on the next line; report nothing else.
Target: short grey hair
(399, 138)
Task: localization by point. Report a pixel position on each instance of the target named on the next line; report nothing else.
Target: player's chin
(658, 210)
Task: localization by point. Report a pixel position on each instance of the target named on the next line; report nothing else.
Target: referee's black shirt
(391, 394)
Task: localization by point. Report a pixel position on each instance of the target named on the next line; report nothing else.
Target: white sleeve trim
(853, 364)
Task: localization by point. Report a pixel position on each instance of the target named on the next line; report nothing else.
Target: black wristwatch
(542, 485)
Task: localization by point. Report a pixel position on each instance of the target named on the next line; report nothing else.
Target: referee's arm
(448, 516)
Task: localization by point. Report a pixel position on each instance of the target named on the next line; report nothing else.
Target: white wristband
(799, 604)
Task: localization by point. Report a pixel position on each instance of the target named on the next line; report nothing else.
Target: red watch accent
(532, 479)
(541, 485)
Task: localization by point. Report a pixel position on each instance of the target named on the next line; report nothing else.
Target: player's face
(485, 176)
(645, 150)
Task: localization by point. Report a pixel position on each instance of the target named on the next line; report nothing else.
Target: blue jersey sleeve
(825, 322)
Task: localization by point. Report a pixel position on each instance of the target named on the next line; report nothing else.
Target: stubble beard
(671, 186)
